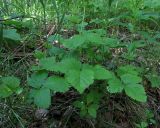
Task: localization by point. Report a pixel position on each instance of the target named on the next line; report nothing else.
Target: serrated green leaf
(136, 92)
(128, 69)
(73, 77)
(68, 64)
(56, 51)
(74, 42)
(130, 79)
(80, 80)
(100, 73)
(110, 42)
(48, 63)
(39, 54)
(37, 79)
(87, 66)
(42, 98)
(57, 84)
(115, 85)
(86, 78)
(92, 38)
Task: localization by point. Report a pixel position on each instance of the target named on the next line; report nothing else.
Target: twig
(18, 55)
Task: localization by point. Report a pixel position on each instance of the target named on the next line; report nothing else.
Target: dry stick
(18, 55)
(51, 31)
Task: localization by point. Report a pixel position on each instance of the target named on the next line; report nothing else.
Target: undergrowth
(91, 63)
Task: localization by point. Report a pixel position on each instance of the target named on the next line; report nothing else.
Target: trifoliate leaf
(57, 84)
(37, 79)
(130, 79)
(80, 80)
(136, 92)
(101, 73)
(115, 85)
(42, 98)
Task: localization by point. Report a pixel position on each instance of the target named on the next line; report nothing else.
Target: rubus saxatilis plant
(78, 63)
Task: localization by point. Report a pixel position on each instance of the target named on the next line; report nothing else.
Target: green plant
(149, 120)
(142, 125)
(80, 69)
(11, 34)
(8, 86)
(154, 79)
